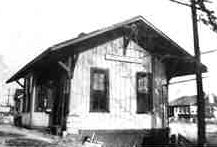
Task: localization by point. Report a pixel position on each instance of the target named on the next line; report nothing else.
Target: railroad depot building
(113, 79)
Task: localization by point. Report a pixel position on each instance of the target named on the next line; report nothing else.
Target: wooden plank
(124, 59)
(18, 82)
(64, 66)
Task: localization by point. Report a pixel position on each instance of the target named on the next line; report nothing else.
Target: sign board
(124, 59)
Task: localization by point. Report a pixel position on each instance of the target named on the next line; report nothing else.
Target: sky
(28, 27)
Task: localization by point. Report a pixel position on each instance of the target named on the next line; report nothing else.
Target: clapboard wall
(122, 88)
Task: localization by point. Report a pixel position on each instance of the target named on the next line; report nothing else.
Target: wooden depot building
(112, 79)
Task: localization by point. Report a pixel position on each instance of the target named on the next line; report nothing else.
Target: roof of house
(191, 100)
(173, 55)
(184, 100)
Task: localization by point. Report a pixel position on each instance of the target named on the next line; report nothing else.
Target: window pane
(143, 85)
(144, 95)
(99, 81)
(41, 98)
(99, 91)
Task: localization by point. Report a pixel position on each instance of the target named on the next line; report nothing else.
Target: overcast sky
(30, 26)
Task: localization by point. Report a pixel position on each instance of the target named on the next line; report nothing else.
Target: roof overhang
(162, 46)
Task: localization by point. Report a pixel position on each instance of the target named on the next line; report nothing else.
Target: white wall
(122, 90)
(40, 119)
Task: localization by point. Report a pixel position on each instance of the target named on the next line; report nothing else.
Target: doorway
(61, 102)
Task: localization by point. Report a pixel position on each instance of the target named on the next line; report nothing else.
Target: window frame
(148, 95)
(93, 92)
(41, 97)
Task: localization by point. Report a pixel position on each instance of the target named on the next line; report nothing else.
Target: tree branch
(211, 19)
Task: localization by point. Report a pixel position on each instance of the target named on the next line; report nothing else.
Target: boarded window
(144, 92)
(99, 90)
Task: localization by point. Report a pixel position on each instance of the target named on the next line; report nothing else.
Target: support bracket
(68, 67)
(19, 83)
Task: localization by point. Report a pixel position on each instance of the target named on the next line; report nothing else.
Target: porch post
(32, 98)
(69, 68)
(153, 112)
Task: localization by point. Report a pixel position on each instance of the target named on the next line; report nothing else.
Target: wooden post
(68, 67)
(200, 95)
(32, 98)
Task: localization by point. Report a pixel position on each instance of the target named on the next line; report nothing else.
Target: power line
(208, 52)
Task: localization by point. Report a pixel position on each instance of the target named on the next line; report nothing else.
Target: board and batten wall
(122, 88)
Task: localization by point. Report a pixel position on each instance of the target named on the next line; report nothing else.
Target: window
(99, 90)
(41, 99)
(144, 92)
(44, 96)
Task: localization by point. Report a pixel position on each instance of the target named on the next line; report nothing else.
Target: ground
(11, 136)
(189, 130)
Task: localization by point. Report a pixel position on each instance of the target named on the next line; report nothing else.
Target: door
(61, 102)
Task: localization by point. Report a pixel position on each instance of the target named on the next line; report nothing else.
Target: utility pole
(201, 133)
(200, 95)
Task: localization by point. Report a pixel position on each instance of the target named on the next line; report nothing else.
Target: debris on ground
(26, 142)
(9, 134)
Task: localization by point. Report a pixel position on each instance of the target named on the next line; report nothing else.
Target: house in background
(6, 112)
(18, 106)
(186, 107)
(108, 81)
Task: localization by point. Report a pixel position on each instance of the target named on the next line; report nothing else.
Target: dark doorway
(60, 107)
(53, 96)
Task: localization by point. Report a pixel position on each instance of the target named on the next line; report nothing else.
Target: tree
(210, 20)
(207, 16)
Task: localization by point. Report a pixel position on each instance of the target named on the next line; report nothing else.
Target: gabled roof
(162, 45)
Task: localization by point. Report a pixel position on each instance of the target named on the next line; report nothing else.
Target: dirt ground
(11, 136)
(189, 130)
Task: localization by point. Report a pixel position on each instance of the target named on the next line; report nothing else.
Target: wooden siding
(122, 90)
(40, 119)
(26, 119)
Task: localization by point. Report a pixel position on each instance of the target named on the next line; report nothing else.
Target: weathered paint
(122, 88)
(122, 91)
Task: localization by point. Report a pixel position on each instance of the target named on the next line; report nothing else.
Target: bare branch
(210, 19)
